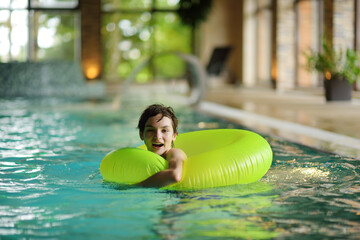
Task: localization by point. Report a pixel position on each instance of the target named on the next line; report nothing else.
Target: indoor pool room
(267, 99)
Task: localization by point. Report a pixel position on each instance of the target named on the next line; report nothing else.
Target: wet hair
(154, 110)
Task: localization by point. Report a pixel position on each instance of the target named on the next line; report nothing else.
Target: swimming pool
(50, 186)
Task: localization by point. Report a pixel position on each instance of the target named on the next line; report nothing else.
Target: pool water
(50, 185)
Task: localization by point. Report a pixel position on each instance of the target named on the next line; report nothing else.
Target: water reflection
(33, 221)
(226, 212)
(46, 190)
(303, 194)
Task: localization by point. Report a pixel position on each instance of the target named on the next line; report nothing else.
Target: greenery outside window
(134, 31)
(123, 5)
(54, 3)
(55, 35)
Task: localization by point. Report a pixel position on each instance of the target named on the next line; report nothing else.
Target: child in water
(158, 129)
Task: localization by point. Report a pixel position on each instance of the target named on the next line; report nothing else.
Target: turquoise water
(51, 188)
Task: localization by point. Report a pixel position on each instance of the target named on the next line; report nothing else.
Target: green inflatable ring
(220, 157)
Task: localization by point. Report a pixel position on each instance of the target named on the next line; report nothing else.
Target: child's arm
(168, 176)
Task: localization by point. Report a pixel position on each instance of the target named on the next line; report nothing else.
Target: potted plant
(340, 70)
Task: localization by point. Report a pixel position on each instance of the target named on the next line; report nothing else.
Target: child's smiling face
(158, 134)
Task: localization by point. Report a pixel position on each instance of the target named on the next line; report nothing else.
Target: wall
(264, 31)
(249, 47)
(91, 53)
(307, 38)
(343, 24)
(223, 28)
(286, 54)
(263, 50)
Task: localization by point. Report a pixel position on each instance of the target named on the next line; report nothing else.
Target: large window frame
(31, 8)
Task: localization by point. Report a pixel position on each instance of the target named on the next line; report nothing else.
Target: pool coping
(295, 132)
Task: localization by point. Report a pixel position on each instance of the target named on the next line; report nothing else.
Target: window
(38, 30)
(13, 32)
(133, 31)
(54, 3)
(56, 35)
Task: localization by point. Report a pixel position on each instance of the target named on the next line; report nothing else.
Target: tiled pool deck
(301, 116)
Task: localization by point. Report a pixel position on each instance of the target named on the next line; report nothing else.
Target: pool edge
(295, 132)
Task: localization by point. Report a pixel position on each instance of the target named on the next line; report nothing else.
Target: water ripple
(50, 185)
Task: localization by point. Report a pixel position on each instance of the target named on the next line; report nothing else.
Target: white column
(249, 43)
(263, 62)
(286, 45)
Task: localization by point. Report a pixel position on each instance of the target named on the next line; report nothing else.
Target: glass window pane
(54, 3)
(5, 27)
(13, 35)
(127, 43)
(57, 35)
(108, 5)
(19, 35)
(4, 16)
(167, 4)
(13, 4)
(5, 4)
(16, 4)
(168, 26)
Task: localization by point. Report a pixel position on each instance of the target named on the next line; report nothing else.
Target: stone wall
(264, 30)
(307, 38)
(249, 43)
(286, 48)
(343, 34)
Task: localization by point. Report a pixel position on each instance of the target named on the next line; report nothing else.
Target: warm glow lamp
(92, 71)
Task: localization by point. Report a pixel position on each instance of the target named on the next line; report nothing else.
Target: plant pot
(337, 89)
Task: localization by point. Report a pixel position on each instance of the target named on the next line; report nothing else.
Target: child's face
(158, 135)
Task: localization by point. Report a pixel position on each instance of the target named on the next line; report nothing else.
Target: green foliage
(146, 34)
(126, 4)
(64, 39)
(170, 35)
(334, 62)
